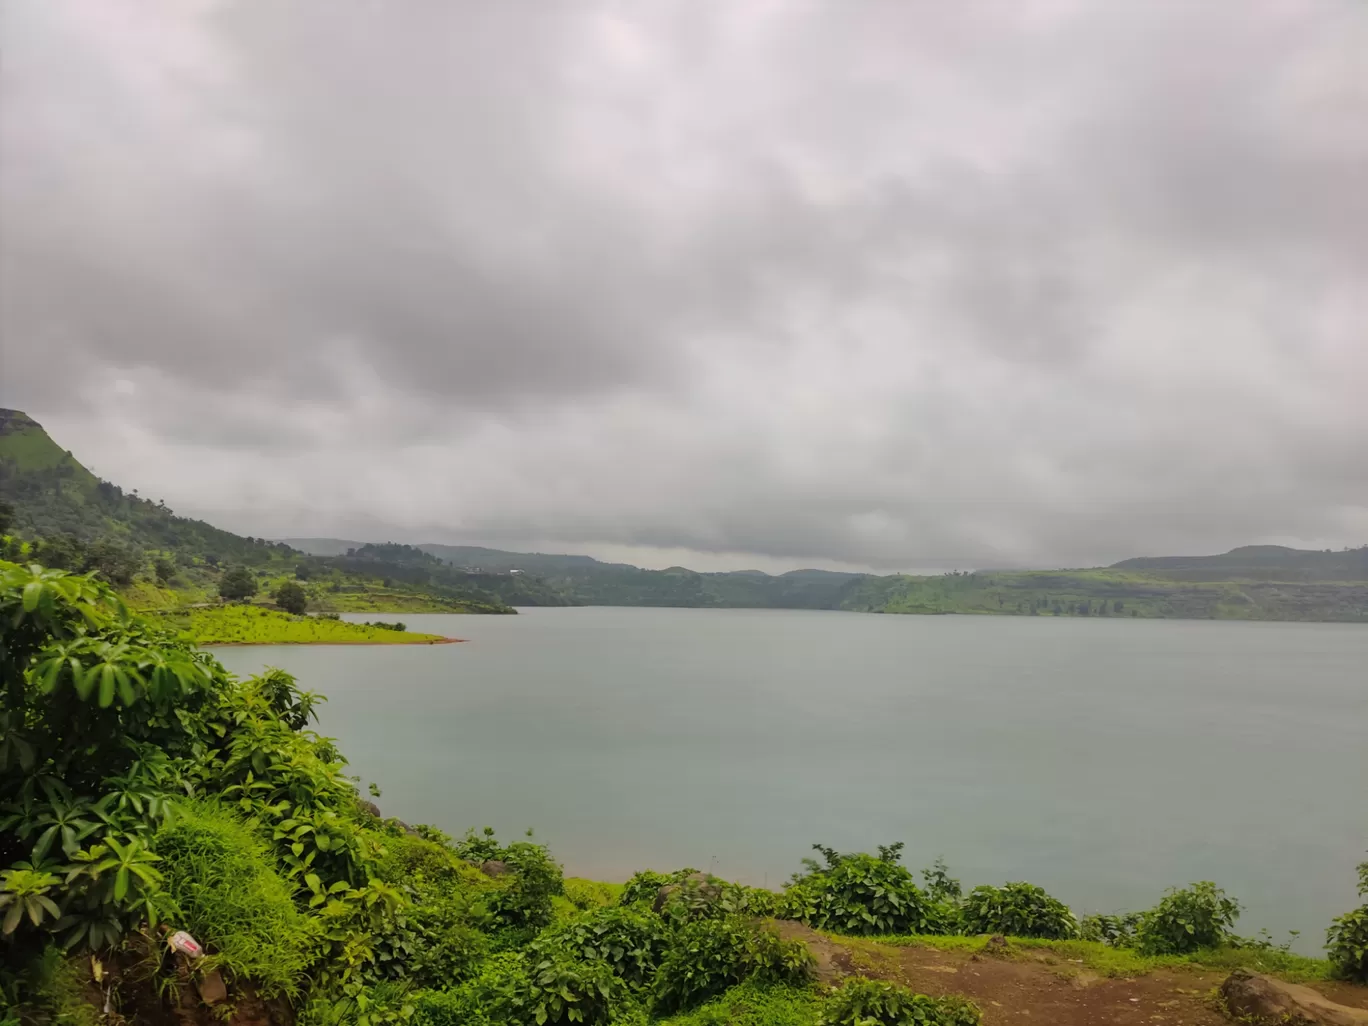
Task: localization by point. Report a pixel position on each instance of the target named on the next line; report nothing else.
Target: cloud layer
(880, 284)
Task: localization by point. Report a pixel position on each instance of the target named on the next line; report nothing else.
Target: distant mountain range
(53, 496)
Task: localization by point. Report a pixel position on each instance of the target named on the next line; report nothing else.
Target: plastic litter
(182, 942)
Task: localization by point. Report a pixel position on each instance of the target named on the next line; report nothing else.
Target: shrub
(588, 894)
(291, 598)
(1017, 910)
(1346, 941)
(631, 943)
(644, 886)
(522, 901)
(864, 894)
(1115, 931)
(481, 1001)
(706, 956)
(234, 902)
(1185, 920)
(859, 1001)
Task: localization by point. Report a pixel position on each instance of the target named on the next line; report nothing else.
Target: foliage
(864, 894)
(1017, 910)
(253, 625)
(1199, 916)
(290, 597)
(754, 1004)
(632, 943)
(940, 885)
(706, 956)
(1118, 931)
(523, 900)
(1347, 939)
(589, 894)
(237, 584)
(222, 879)
(859, 1001)
(643, 887)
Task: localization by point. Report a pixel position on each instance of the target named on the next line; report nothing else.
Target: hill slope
(1259, 563)
(70, 519)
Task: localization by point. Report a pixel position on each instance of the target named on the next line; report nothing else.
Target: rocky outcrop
(494, 868)
(1251, 997)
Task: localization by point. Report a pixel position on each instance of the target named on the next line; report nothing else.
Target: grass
(253, 625)
(1102, 959)
(222, 878)
(754, 1005)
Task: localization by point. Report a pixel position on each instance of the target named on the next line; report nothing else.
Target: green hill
(1259, 563)
(61, 513)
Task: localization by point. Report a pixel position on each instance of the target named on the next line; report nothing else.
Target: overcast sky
(893, 285)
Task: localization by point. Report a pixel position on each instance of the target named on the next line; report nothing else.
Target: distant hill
(66, 517)
(158, 557)
(1259, 563)
(54, 495)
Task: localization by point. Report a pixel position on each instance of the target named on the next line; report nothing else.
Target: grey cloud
(900, 285)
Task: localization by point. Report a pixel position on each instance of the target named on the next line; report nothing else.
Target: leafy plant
(859, 1001)
(234, 902)
(1116, 931)
(706, 956)
(1346, 941)
(24, 893)
(940, 885)
(1017, 910)
(864, 894)
(1199, 916)
(632, 943)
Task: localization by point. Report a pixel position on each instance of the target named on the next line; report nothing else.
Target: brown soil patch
(1028, 990)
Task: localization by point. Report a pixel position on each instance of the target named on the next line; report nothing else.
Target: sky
(886, 285)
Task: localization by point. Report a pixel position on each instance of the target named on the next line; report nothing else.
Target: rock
(211, 988)
(995, 945)
(696, 885)
(493, 867)
(1254, 998)
(370, 807)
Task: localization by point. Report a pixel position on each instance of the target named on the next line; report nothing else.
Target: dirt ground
(1035, 988)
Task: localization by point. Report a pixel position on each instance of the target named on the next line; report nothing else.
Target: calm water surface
(1102, 759)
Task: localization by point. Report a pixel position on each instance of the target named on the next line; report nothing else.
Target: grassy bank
(253, 625)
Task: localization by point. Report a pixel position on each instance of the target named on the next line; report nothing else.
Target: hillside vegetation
(147, 788)
(72, 520)
(54, 510)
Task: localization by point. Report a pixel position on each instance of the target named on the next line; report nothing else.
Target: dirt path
(1035, 987)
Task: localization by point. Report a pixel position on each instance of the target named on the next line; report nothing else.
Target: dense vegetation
(143, 786)
(158, 559)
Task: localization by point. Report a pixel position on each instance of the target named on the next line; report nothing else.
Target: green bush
(587, 894)
(1114, 931)
(480, 1001)
(864, 894)
(642, 888)
(1016, 910)
(632, 943)
(859, 1001)
(1346, 941)
(706, 956)
(233, 901)
(1187, 919)
(753, 1004)
(522, 900)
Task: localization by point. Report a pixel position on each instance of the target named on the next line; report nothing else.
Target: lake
(1102, 759)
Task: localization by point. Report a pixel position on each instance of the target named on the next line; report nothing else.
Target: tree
(237, 584)
(6, 516)
(291, 598)
(164, 568)
(303, 572)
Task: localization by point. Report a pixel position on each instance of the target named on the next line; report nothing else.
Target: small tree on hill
(291, 598)
(237, 584)
(164, 568)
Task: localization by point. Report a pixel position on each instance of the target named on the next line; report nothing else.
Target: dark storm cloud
(894, 284)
